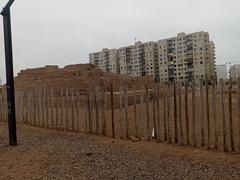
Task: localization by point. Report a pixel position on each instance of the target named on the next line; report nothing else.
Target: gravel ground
(47, 154)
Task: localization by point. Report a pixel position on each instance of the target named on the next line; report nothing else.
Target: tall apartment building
(137, 60)
(183, 57)
(107, 60)
(221, 71)
(235, 71)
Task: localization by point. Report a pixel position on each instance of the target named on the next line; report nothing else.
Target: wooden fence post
(194, 140)
(96, 107)
(36, 111)
(90, 110)
(35, 96)
(57, 103)
(52, 108)
(1, 105)
(186, 113)
(43, 114)
(78, 109)
(154, 112)
(36, 104)
(20, 107)
(180, 141)
(223, 114)
(158, 115)
(47, 107)
(175, 113)
(230, 116)
(32, 108)
(135, 108)
(202, 128)
(103, 111)
(126, 109)
(238, 108)
(86, 111)
(166, 127)
(208, 116)
(147, 113)
(120, 112)
(214, 116)
(23, 107)
(112, 112)
(170, 137)
(141, 110)
(62, 108)
(66, 109)
(16, 106)
(28, 108)
(39, 111)
(72, 109)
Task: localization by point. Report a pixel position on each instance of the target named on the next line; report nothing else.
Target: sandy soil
(48, 154)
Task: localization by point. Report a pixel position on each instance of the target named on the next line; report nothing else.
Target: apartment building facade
(184, 57)
(107, 60)
(235, 71)
(221, 71)
(138, 59)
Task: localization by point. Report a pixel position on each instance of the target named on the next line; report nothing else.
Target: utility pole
(9, 73)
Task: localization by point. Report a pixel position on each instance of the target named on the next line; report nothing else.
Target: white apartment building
(221, 71)
(138, 59)
(107, 60)
(183, 57)
(235, 71)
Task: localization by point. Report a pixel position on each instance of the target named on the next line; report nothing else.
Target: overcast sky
(63, 32)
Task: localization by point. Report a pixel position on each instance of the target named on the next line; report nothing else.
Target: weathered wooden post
(147, 112)
(214, 115)
(112, 112)
(186, 113)
(230, 115)
(208, 115)
(223, 116)
(194, 140)
(175, 112)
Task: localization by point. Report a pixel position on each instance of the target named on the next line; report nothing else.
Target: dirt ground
(48, 154)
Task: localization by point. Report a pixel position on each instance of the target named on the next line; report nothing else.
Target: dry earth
(48, 154)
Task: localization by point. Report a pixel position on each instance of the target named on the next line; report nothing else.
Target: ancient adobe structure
(80, 75)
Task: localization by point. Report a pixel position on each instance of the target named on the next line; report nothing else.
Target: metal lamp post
(9, 73)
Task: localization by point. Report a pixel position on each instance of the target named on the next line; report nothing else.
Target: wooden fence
(199, 115)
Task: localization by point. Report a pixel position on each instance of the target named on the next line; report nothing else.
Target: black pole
(10, 76)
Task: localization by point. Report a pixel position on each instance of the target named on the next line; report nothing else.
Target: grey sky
(64, 31)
